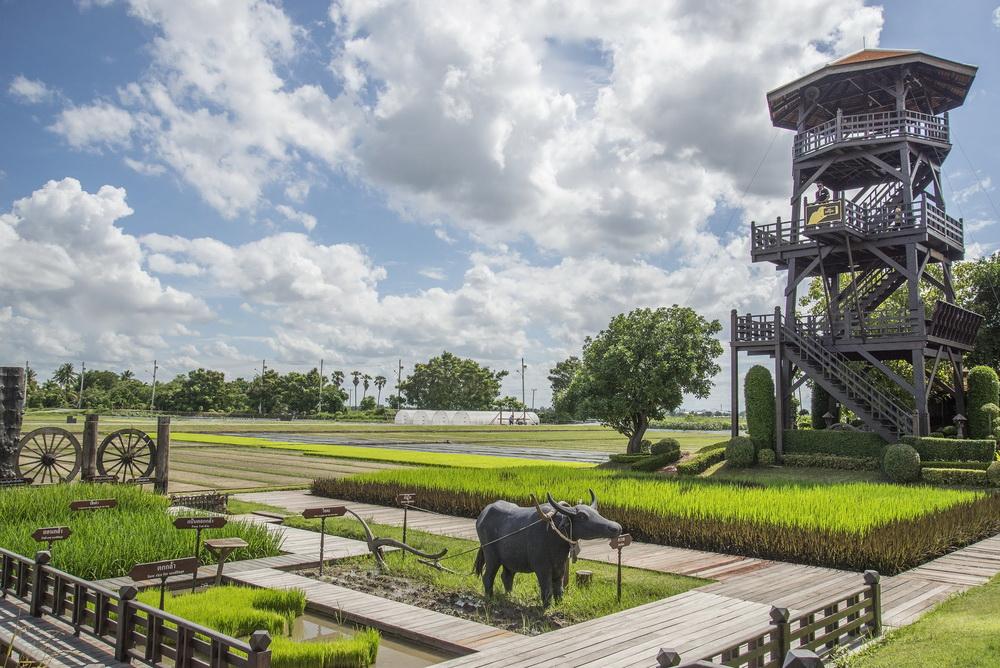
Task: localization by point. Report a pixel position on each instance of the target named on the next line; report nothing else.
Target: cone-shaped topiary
(758, 392)
(984, 388)
(740, 452)
(901, 463)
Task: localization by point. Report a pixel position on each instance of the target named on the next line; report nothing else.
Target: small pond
(393, 652)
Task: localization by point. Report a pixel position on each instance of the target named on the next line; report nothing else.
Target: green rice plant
(355, 652)
(854, 525)
(108, 542)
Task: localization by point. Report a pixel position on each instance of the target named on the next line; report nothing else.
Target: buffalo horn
(558, 506)
(593, 499)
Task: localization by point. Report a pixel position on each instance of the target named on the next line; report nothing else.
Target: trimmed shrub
(931, 464)
(949, 431)
(623, 458)
(992, 412)
(936, 434)
(953, 449)
(832, 462)
(827, 442)
(901, 463)
(701, 462)
(964, 477)
(821, 404)
(656, 462)
(984, 388)
(645, 445)
(740, 452)
(993, 474)
(758, 391)
(766, 457)
(665, 446)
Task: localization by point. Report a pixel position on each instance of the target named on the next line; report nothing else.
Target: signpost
(15, 482)
(101, 479)
(406, 500)
(619, 543)
(322, 513)
(164, 570)
(50, 535)
(199, 523)
(93, 504)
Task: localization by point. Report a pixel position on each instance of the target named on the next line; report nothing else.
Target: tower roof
(863, 82)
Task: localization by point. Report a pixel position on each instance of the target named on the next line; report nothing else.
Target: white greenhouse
(449, 418)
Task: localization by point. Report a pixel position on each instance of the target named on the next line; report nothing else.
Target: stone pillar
(11, 414)
(89, 468)
(162, 470)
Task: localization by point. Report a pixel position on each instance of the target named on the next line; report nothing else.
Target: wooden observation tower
(871, 134)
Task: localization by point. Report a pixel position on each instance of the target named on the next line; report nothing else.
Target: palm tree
(337, 377)
(126, 375)
(357, 379)
(368, 380)
(379, 383)
(64, 375)
(30, 376)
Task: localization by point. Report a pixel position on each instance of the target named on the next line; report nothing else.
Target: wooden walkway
(48, 642)
(695, 622)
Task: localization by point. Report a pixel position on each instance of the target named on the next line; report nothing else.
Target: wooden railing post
(162, 470)
(38, 582)
(782, 631)
(667, 658)
(802, 658)
(874, 582)
(123, 634)
(260, 655)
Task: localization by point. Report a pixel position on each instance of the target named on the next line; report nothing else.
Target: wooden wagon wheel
(126, 454)
(48, 455)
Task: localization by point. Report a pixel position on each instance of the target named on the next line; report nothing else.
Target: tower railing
(873, 126)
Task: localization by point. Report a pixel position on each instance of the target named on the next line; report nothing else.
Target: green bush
(936, 434)
(645, 446)
(830, 442)
(821, 404)
(665, 446)
(944, 464)
(964, 477)
(901, 463)
(992, 411)
(984, 388)
(758, 391)
(953, 449)
(993, 474)
(704, 460)
(949, 431)
(832, 462)
(740, 452)
(623, 458)
(656, 462)
(766, 457)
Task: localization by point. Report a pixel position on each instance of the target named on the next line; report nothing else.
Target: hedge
(944, 464)
(984, 388)
(821, 404)
(953, 449)
(833, 462)
(965, 477)
(656, 462)
(702, 461)
(834, 442)
(758, 390)
(623, 458)
(993, 474)
(667, 446)
(740, 452)
(901, 463)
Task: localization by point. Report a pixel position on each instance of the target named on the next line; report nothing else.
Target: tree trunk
(640, 424)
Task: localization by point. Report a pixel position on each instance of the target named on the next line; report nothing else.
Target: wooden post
(874, 582)
(782, 629)
(779, 386)
(11, 413)
(123, 634)
(162, 470)
(260, 655)
(734, 377)
(38, 582)
(89, 468)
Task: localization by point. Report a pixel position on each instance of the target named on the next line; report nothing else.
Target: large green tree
(642, 365)
(978, 289)
(564, 402)
(449, 382)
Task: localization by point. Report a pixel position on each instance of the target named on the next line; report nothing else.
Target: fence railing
(134, 631)
(880, 125)
(844, 620)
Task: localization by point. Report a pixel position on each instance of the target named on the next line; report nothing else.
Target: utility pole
(260, 403)
(399, 378)
(152, 398)
(79, 399)
(524, 413)
(320, 409)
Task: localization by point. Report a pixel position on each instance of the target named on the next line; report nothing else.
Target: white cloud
(147, 168)
(95, 124)
(433, 273)
(164, 264)
(30, 91)
(73, 281)
(996, 17)
(307, 221)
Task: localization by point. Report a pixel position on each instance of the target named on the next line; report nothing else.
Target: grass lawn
(962, 631)
(790, 475)
(522, 610)
(849, 525)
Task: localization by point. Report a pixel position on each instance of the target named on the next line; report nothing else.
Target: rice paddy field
(108, 542)
(852, 525)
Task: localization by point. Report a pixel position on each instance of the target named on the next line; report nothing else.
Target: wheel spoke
(26, 471)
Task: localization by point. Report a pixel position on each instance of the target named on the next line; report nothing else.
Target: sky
(211, 184)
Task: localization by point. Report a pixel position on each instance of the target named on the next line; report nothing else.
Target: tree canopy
(449, 382)
(642, 365)
(978, 289)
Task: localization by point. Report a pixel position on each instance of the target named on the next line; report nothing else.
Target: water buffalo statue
(520, 540)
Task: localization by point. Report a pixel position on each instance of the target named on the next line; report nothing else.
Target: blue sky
(303, 180)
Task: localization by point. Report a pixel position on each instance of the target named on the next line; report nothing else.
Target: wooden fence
(843, 621)
(133, 630)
